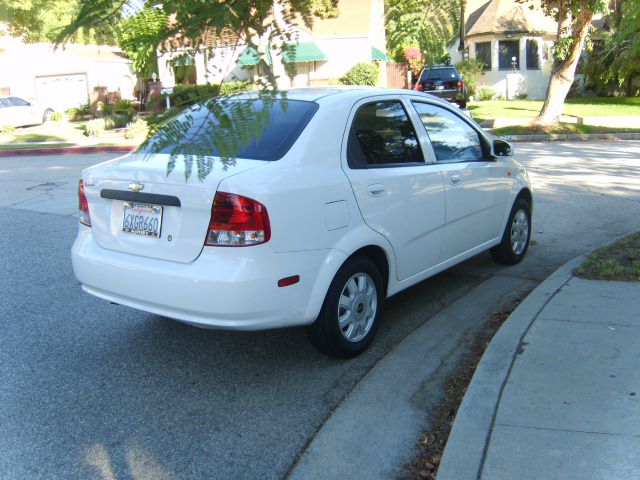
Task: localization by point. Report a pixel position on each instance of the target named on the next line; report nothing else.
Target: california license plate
(142, 219)
(439, 87)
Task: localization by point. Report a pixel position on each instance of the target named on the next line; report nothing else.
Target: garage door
(62, 91)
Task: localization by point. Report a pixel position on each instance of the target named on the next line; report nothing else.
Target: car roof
(331, 93)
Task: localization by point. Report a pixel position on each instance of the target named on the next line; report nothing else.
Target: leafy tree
(618, 61)
(574, 19)
(428, 24)
(42, 20)
(201, 26)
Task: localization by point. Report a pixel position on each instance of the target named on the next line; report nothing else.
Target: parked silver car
(18, 112)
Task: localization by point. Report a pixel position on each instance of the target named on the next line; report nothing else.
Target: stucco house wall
(344, 41)
(64, 77)
(497, 21)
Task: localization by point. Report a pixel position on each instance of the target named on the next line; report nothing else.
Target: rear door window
(382, 135)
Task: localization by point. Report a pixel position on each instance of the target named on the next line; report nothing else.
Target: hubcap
(357, 308)
(519, 232)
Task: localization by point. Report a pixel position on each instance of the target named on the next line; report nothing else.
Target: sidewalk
(557, 392)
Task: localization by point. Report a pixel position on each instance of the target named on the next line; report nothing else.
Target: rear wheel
(348, 320)
(515, 239)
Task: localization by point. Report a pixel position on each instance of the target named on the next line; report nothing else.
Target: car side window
(453, 139)
(382, 134)
(17, 102)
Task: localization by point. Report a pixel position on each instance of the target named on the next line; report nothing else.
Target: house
(323, 53)
(65, 77)
(514, 41)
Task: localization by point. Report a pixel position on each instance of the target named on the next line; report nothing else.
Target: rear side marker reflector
(83, 205)
(285, 282)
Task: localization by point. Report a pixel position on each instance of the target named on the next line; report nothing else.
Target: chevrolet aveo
(341, 199)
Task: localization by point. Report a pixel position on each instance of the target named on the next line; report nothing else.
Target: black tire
(516, 236)
(462, 104)
(46, 115)
(326, 334)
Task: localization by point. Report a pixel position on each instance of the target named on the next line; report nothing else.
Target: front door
(476, 187)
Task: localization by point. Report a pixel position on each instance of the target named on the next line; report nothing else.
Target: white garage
(62, 91)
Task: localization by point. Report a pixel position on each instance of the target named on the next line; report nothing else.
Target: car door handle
(376, 189)
(455, 179)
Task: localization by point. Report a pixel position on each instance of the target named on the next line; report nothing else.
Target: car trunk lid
(137, 207)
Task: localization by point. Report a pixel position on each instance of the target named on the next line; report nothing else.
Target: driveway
(94, 390)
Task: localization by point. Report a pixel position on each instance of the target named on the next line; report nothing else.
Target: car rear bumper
(228, 288)
(450, 95)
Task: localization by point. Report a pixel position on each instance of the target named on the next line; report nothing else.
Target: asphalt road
(94, 390)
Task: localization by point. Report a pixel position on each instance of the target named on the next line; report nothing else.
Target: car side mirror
(501, 148)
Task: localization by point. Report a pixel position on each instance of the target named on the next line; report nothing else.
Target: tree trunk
(462, 27)
(563, 74)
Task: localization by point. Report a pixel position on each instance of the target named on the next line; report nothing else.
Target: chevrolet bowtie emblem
(136, 187)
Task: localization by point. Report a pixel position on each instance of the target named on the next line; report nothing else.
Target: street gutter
(67, 150)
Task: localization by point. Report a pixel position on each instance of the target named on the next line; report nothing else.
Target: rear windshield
(242, 128)
(439, 74)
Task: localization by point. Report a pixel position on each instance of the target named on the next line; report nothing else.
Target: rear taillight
(83, 205)
(237, 221)
(460, 84)
(418, 87)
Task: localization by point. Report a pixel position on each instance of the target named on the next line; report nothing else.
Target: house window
(533, 57)
(507, 50)
(483, 54)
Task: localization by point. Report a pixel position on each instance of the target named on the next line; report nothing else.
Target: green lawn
(576, 107)
(618, 261)
(559, 129)
(62, 132)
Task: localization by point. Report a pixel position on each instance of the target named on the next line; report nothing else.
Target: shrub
(116, 120)
(159, 118)
(136, 129)
(56, 116)
(185, 95)
(94, 128)
(485, 93)
(361, 74)
(229, 88)
(7, 129)
(124, 106)
(470, 70)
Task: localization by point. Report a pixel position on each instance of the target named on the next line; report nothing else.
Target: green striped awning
(295, 53)
(250, 57)
(379, 55)
(304, 52)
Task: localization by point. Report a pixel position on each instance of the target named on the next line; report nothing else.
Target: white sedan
(18, 112)
(335, 199)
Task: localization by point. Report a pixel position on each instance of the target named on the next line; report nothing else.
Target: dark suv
(444, 82)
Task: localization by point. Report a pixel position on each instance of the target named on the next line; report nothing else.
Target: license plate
(142, 219)
(439, 87)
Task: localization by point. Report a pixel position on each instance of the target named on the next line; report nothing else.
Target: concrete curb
(67, 150)
(556, 137)
(464, 453)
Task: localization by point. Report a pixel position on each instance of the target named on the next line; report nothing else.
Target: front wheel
(348, 320)
(515, 239)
